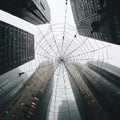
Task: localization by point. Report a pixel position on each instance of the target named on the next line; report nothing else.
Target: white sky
(58, 11)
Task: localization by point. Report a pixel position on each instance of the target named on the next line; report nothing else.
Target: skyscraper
(16, 47)
(107, 70)
(68, 111)
(99, 19)
(96, 90)
(33, 11)
(31, 100)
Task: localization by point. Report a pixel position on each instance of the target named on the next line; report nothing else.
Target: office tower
(96, 90)
(31, 101)
(68, 111)
(107, 70)
(99, 19)
(16, 47)
(34, 11)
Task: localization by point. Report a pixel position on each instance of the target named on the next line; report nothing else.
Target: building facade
(34, 11)
(68, 111)
(98, 19)
(110, 72)
(31, 101)
(16, 47)
(97, 94)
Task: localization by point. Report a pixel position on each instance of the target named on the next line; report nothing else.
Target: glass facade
(24, 106)
(97, 19)
(16, 47)
(33, 11)
(96, 90)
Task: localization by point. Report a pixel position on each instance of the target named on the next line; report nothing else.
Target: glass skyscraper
(99, 19)
(16, 47)
(34, 11)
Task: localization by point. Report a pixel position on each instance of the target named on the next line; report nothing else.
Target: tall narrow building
(34, 11)
(110, 72)
(32, 99)
(96, 90)
(66, 111)
(99, 19)
(16, 47)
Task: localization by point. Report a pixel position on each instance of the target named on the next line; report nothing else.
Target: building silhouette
(96, 89)
(16, 47)
(31, 100)
(33, 11)
(98, 19)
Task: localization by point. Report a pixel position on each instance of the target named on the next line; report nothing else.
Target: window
(42, 6)
(21, 103)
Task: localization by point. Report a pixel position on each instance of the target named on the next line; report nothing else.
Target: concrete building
(26, 106)
(16, 47)
(96, 96)
(99, 19)
(34, 11)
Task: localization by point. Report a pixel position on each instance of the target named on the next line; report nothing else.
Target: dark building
(33, 11)
(96, 90)
(99, 19)
(32, 99)
(16, 47)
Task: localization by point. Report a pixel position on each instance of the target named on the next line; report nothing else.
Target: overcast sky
(58, 11)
